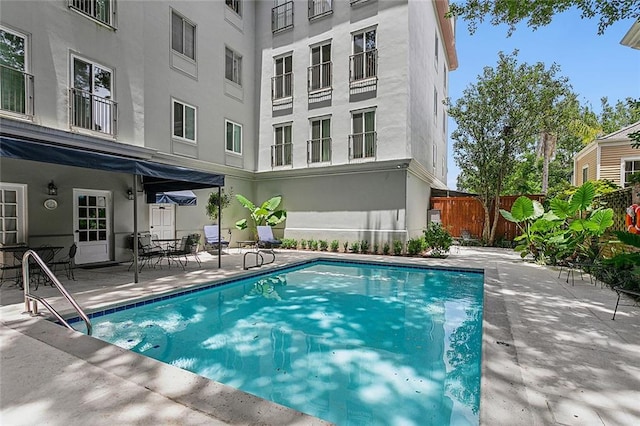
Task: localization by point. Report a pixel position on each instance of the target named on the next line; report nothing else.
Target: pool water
(355, 344)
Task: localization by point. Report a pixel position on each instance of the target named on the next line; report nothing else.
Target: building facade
(337, 106)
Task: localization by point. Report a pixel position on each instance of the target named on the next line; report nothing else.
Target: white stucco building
(337, 106)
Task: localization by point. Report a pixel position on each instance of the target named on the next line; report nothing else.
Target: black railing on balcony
(319, 77)
(319, 8)
(319, 150)
(282, 17)
(354, 2)
(362, 145)
(92, 112)
(281, 154)
(16, 91)
(363, 66)
(282, 86)
(100, 10)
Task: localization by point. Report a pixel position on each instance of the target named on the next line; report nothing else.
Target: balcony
(16, 91)
(282, 17)
(319, 8)
(319, 78)
(100, 10)
(281, 154)
(362, 146)
(319, 150)
(282, 91)
(91, 112)
(363, 68)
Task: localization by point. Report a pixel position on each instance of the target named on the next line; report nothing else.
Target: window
(437, 47)
(363, 62)
(585, 174)
(16, 85)
(281, 15)
(363, 138)
(234, 5)
(12, 209)
(233, 66)
(320, 69)
(319, 147)
(281, 151)
(183, 36)
(318, 8)
(92, 105)
(435, 103)
(184, 121)
(233, 137)
(101, 10)
(630, 167)
(282, 82)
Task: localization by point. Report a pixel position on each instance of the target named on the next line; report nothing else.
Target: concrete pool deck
(551, 353)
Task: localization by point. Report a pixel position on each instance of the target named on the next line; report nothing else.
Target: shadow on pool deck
(551, 354)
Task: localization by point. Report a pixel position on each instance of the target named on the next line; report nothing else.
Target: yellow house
(609, 157)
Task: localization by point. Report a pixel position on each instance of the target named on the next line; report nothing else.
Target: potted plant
(438, 240)
(223, 201)
(267, 213)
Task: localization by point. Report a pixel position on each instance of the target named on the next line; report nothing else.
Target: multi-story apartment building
(337, 106)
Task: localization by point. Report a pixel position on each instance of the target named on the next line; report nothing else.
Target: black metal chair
(68, 262)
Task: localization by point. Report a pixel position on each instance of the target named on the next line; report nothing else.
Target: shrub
(313, 245)
(355, 247)
(386, 249)
(303, 244)
(437, 238)
(376, 247)
(415, 246)
(345, 246)
(364, 246)
(397, 247)
(323, 245)
(294, 244)
(334, 245)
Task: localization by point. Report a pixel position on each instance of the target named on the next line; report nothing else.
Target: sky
(596, 65)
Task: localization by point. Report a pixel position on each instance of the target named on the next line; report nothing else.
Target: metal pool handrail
(28, 297)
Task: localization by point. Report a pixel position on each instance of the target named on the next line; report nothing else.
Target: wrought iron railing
(319, 150)
(282, 17)
(92, 112)
(281, 154)
(319, 8)
(282, 86)
(319, 77)
(363, 66)
(16, 91)
(100, 10)
(362, 145)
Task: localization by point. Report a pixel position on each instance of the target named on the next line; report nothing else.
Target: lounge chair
(266, 239)
(467, 239)
(211, 237)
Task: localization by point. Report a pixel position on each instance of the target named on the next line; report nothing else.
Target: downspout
(219, 226)
(135, 227)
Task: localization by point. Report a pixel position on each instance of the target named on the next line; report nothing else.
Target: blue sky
(596, 65)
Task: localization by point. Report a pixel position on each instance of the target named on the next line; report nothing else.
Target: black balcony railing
(282, 86)
(362, 145)
(100, 10)
(16, 91)
(282, 17)
(88, 111)
(281, 154)
(319, 150)
(319, 77)
(319, 8)
(363, 66)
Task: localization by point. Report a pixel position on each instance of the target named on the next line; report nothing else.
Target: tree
(265, 214)
(539, 13)
(622, 114)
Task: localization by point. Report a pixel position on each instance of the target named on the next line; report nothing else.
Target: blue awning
(181, 198)
(157, 177)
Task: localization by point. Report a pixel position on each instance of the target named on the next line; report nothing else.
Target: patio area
(551, 353)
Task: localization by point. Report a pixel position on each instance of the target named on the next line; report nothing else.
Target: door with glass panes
(92, 225)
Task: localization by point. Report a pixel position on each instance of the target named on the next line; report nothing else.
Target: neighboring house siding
(610, 160)
(589, 159)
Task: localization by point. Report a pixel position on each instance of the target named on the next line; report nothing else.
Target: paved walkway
(551, 354)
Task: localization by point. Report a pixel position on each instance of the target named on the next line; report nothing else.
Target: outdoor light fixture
(130, 195)
(53, 189)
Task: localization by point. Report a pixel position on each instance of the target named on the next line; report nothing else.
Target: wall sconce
(52, 188)
(130, 195)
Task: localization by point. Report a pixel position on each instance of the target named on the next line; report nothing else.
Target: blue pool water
(355, 344)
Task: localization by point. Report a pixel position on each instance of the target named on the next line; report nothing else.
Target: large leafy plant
(265, 214)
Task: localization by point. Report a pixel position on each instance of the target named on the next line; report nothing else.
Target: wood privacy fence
(466, 213)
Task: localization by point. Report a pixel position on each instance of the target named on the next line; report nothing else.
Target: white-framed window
(629, 167)
(319, 146)
(232, 66)
(101, 10)
(363, 62)
(437, 50)
(12, 213)
(233, 137)
(184, 121)
(183, 35)
(319, 8)
(320, 69)
(363, 136)
(16, 85)
(91, 96)
(435, 103)
(282, 149)
(585, 173)
(234, 5)
(282, 85)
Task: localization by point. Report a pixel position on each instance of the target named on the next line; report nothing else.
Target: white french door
(92, 222)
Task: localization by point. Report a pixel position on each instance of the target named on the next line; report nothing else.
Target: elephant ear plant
(265, 214)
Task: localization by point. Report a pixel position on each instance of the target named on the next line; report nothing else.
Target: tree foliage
(538, 13)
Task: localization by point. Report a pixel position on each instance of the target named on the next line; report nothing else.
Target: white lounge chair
(266, 239)
(211, 237)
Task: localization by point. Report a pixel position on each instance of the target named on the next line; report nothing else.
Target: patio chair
(211, 238)
(180, 253)
(467, 239)
(68, 263)
(266, 239)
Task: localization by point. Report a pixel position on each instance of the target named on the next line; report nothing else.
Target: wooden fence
(466, 213)
(618, 201)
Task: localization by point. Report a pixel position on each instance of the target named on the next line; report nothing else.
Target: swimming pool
(352, 343)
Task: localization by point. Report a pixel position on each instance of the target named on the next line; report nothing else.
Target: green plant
(289, 243)
(303, 244)
(415, 246)
(214, 201)
(345, 246)
(634, 178)
(313, 245)
(334, 245)
(323, 245)
(376, 248)
(364, 246)
(266, 214)
(437, 239)
(397, 247)
(386, 249)
(355, 247)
